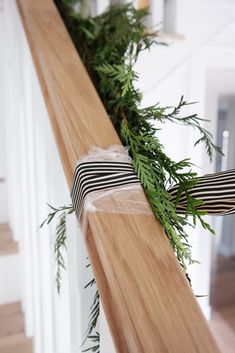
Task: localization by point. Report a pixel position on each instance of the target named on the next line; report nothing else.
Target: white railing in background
(3, 194)
(35, 177)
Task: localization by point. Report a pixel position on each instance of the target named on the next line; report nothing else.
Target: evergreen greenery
(60, 245)
(94, 338)
(109, 46)
(95, 341)
(60, 237)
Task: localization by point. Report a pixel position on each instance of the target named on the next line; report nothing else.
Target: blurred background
(199, 63)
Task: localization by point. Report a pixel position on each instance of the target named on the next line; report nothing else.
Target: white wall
(3, 181)
(9, 279)
(183, 68)
(227, 243)
(57, 323)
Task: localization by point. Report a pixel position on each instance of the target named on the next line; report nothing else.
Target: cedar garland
(109, 46)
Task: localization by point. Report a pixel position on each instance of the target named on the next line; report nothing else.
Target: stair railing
(149, 305)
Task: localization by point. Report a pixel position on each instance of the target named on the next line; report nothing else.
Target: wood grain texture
(147, 300)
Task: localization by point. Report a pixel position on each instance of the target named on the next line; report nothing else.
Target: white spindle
(101, 5)
(157, 10)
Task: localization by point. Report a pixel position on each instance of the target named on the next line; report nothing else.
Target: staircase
(12, 337)
(7, 245)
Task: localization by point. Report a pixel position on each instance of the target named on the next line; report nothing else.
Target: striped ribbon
(217, 191)
(96, 176)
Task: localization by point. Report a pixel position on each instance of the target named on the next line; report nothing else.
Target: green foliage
(59, 215)
(60, 237)
(95, 340)
(93, 319)
(109, 46)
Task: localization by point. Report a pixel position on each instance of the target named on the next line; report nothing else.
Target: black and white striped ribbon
(217, 191)
(96, 176)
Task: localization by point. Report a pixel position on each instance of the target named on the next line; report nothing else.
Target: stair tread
(12, 339)
(12, 323)
(8, 309)
(8, 249)
(5, 234)
(7, 244)
(4, 226)
(24, 346)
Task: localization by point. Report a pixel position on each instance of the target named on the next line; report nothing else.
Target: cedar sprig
(173, 114)
(95, 340)
(60, 240)
(94, 311)
(59, 216)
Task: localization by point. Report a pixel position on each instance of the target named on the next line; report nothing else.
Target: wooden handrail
(148, 303)
(143, 3)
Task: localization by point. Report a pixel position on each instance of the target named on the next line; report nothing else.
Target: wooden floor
(223, 304)
(223, 282)
(12, 337)
(223, 327)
